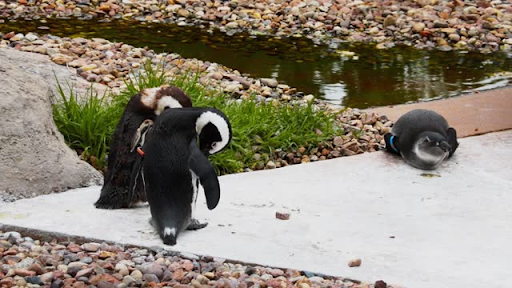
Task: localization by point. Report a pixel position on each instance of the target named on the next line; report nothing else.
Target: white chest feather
(427, 157)
(195, 188)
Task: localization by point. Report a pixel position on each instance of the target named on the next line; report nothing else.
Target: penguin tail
(169, 235)
(391, 142)
(169, 240)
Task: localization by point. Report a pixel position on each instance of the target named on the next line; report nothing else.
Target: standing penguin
(423, 138)
(145, 105)
(173, 166)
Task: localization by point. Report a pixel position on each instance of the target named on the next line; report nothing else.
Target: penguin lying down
(423, 138)
(172, 166)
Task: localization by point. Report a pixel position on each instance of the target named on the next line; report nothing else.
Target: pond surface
(371, 78)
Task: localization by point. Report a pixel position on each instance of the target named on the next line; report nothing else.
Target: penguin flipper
(140, 134)
(136, 189)
(205, 171)
(451, 137)
(391, 142)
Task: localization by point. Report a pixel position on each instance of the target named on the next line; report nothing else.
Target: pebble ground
(28, 262)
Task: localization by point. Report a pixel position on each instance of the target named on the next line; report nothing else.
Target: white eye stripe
(166, 102)
(221, 125)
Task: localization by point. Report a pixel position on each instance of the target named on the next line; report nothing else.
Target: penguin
(174, 167)
(145, 105)
(423, 138)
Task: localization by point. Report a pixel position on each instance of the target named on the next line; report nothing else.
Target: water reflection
(372, 78)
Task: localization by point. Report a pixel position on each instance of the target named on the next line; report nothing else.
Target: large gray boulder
(34, 158)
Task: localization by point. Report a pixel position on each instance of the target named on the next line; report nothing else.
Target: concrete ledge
(474, 114)
(409, 228)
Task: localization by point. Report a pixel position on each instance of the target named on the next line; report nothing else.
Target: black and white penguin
(423, 138)
(174, 167)
(145, 105)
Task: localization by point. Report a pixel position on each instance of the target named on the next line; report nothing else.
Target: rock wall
(34, 159)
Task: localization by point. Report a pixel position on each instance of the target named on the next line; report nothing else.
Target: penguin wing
(391, 143)
(136, 180)
(205, 171)
(140, 134)
(451, 138)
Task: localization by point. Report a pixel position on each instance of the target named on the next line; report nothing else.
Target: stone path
(450, 228)
(474, 114)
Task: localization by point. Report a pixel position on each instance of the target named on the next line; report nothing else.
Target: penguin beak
(445, 146)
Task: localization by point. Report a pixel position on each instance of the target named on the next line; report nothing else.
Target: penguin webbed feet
(196, 225)
(112, 200)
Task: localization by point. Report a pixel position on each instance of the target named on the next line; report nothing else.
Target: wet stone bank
(350, 75)
(481, 25)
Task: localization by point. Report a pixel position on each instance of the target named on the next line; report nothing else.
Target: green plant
(258, 127)
(86, 122)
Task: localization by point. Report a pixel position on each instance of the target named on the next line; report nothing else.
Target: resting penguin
(145, 105)
(173, 166)
(423, 138)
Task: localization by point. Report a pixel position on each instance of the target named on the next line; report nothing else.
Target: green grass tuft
(87, 123)
(262, 128)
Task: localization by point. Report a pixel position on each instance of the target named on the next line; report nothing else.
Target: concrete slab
(473, 114)
(449, 230)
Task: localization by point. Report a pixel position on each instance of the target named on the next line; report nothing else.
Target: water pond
(348, 75)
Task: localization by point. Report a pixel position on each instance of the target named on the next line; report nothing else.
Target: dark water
(373, 78)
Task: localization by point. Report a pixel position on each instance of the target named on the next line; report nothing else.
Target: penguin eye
(214, 144)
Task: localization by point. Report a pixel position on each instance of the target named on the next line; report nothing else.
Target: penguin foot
(151, 222)
(103, 204)
(196, 225)
(113, 198)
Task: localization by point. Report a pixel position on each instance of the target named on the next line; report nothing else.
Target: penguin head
(160, 98)
(432, 147)
(214, 131)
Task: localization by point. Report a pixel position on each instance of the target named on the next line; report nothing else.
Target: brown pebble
(84, 272)
(354, 263)
(178, 275)
(380, 284)
(8, 36)
(74, 248)
(36, 268)
(24, 272)
(283, 215)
